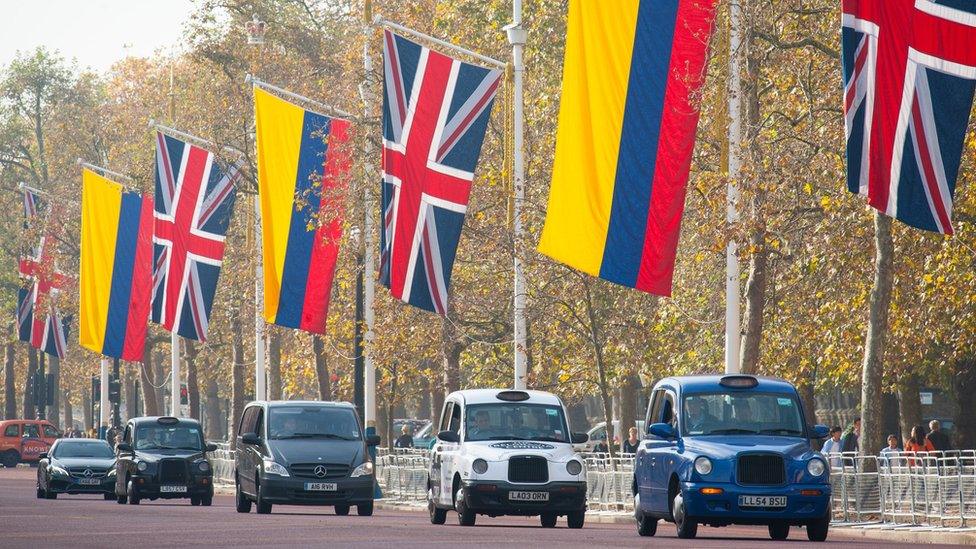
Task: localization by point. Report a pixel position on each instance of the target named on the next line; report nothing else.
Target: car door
(246, 466)
(440, 470)
(449, 452)
(123, 460)
(646, 460)
(659, 456)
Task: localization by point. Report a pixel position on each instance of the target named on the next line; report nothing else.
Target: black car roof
(155, 419)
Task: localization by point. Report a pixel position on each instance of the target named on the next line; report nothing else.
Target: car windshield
(742, 413)
(83, 449)
(511, 421)
(168, 437)
(313, 422)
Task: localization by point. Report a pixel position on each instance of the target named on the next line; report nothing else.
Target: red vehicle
(25, 440)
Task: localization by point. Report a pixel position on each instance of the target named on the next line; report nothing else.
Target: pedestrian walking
(939, 440)
(632, 442)
(405, 440)
(850, 441)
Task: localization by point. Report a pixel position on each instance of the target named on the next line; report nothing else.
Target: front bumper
(724, 508)
(492, 498)
(71, 485)
(148, 486)
(291, 491)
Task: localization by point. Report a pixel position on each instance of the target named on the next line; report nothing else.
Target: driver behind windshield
(283, 426)
(482, 426)
(150, 439)
(697, 415)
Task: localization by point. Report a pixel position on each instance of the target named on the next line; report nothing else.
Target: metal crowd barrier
(222, 461)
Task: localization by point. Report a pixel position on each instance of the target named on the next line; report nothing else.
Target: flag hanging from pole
(194, 201)
(909, 71)
(627, 124)
(435, 113)
(116, 268)
(32, 204)
(47, 327)
(25, 313)
(303, 165)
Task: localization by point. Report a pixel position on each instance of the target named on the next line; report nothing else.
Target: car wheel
(49, 494)
(243, 504)
(575, 519)
(121, 500)
(10, 458)
(466, 517)
(40, 493)
(779, 531)
(365, 509)
(342, 510)
(437, 516)
(206, 501)
(194, 501)
(263, 507)
(548, 520)
(132, 493)
(646, 526)
(817, 530)
(687, 527)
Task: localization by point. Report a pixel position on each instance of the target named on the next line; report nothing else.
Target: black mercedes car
(76, 466)
(163, 457)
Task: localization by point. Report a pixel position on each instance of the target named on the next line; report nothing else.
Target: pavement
(90, 521)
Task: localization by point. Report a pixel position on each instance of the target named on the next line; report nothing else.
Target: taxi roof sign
(739, 381)
(167, 420)
(512, 396)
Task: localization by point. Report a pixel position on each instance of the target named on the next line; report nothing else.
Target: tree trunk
(872, 434)
(54, 411)
(131, 398)
(274, 363)
(192, 382)
(451, 349)
(909, 405)
(809, 399)
(964, 430)
(146, 373)
(322, 368)
(214, 427)
(237, 377)
(597, 343)
(10, 382)
(86, 408)
(160, 377)
(28, 389)
(69, 413)
(629, 386)
(436, 405)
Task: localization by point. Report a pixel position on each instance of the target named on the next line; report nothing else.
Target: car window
(12, 431)
(742, 413)
(259, 422)
(127, 436)
(322, 422)
(667, 410)
(247, 420)
(31, 430)
(455, 425)
(82, 448)
(155, 436)
(654, 413)
(446, 416)
(511, 421)
(51, 432)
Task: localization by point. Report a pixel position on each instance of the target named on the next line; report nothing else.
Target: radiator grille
(528, 469)
(172, 471)
(761, 470)
(307, 470)
(96, 472)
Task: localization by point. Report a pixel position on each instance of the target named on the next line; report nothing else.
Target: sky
(96, 33)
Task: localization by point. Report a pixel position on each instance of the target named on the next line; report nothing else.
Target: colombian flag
(116, 268)
(303, 162)
(627, 126)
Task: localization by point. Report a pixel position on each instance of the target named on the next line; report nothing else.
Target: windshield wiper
(733, 431)
(548, 439)
(782, 431)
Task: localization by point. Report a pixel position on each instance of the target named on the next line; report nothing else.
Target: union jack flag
(435, 113)
(194, 200)
(909, 76)
(50, 332)
(31, 204)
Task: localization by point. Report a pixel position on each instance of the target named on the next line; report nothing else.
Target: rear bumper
(801, 508)
(149, 487)
(492, 498)
(71, 486)
(291, 491)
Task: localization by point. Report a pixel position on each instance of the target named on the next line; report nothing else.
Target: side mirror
(250, 438)
(821, 431)
(579, 438)
(448, 436)
(373, 440)
(42, 455)
(124, 447)
(662, 430)
(211, 447)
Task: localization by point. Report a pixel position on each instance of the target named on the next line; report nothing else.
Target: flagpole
(329, 109)
(103, 407)
(369, 279)
(732, 330)
(260, 378)
(105, 171)
(174, 390)
(379, 21)
(517, 38)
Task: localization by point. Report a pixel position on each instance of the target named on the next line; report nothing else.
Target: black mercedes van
(303, 453)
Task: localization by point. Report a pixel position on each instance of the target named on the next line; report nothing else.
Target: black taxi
(163, 457)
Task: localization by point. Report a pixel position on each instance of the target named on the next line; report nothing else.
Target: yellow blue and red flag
(626, 134)
(116, 268)
(303, 163)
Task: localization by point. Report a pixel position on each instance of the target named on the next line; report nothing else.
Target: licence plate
(172, 489)
(321, 486)
(89, 481)
(762, 501)
(528, 496)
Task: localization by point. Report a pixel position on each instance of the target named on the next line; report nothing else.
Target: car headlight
(58, 471)
(816, 467)
(574, 467)
(364, 470)
(270, 467)
(204, 466)
(703, 465)
(479, 466)
(142, 466)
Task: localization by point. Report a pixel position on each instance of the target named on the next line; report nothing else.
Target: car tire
(342, 510)
(365, 509)
(575, 519)
(779, 531)
(646, 526)
(263, 507)
(10, 458)
(206, 501)
(48, 494)
(131, 493)
(437, 516)
(121, 500)
(687, 527)
(40, 493)
(194, 501)
(817, 530)
(548, 520)
(466, 517)
(243, 504)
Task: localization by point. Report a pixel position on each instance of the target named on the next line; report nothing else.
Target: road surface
(90, 521)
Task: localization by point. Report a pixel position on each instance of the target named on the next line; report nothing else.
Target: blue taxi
(731, 449)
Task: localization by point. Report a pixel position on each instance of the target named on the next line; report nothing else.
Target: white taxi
(506, 452)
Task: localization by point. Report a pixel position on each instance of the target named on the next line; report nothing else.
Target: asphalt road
(90, 521)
